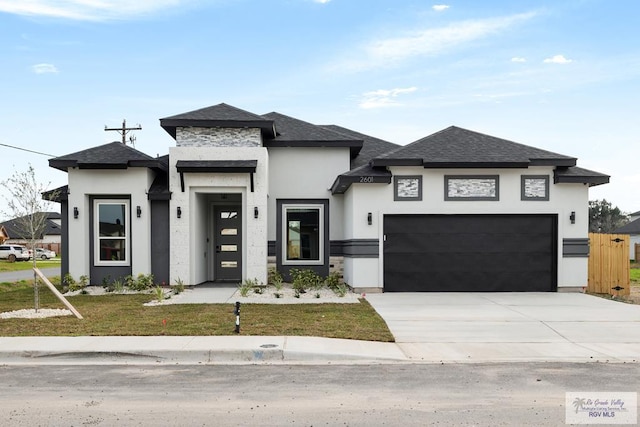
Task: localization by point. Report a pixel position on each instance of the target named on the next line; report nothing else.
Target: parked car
(44, 253)
(14, 253)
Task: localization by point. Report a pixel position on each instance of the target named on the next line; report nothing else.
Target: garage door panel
(490, 253)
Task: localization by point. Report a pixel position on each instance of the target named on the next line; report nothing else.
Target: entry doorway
(227, 243)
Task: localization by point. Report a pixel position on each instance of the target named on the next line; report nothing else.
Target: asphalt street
(12, 276)
(522, 394)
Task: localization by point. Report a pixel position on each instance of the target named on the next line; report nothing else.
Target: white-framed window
(303, 234)
(111, 232)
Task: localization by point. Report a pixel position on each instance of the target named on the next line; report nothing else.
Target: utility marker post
(237, 313)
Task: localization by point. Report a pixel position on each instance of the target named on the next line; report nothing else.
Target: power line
(30, 151)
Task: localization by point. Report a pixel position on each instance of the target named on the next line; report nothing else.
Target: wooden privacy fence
(609, 264)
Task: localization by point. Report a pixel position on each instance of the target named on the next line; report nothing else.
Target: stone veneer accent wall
(218, 137)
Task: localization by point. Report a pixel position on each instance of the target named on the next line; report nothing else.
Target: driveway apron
(509, 326)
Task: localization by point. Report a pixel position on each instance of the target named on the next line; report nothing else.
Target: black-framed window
(111, 229)
(534, 187)
(407, 188)
(472, 187)
(303, 234)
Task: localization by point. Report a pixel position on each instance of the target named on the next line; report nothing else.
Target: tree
(29, 211)
(604, 218)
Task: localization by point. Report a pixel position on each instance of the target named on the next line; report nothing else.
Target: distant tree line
(605, 218)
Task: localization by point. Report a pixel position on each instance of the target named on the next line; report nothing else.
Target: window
(535, 187)
(472, 187)
(407, 188)
(111, 232)
(303, 234)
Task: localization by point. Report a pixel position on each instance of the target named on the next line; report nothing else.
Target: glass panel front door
(228, 243)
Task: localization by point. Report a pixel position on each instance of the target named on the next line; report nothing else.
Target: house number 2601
(366, 179)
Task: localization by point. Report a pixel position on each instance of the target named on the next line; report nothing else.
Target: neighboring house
(50, 238)
(633, 230)
(454, 211)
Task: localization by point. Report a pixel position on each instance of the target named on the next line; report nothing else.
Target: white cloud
(430, 42)
(440, 7)
(44, 69)
(87, 10)
(383, 97)
(518, 59)
(557, 59)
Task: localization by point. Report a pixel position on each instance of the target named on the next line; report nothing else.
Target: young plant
(159, 293)
(275, 279)
(244, 288)
(179, 286)
(118, 286)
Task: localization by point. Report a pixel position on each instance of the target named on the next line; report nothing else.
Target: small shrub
(129, 282)
(296, 293)
(341, 290)
(333, 280)
(305, 279)
(107, 284)
(70, 283)
(317, 295)
(143, 282)
(257, 290)
(83, 281)
(277, 294)
(275, 278)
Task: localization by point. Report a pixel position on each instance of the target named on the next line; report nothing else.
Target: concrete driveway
(511, 326)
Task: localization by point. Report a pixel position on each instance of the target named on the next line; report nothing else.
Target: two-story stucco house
(454, 211)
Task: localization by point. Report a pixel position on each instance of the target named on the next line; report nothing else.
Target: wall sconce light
(255, 212)
(179, 212)
(572, 217)
(75, 212)
(369, 218)
(138, 211)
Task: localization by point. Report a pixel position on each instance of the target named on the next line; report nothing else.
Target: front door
(228, 243)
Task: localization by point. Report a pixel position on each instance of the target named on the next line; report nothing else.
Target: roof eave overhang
(567, 162)
(592, 181)
(343, 182)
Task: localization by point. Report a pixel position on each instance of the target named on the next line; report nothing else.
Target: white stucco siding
(189, 232)
(307, 173)
(379, 200)
(133, 183)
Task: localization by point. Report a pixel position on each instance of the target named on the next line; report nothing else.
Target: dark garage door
(470, 253)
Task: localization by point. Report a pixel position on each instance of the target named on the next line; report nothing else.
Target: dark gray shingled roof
(372, 147)
(631, 228)
(455, 147)
(292, 132)
(14, 230)
(221, 115)
(114, 155)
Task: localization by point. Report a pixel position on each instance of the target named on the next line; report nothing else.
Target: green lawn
(125, 315)
(27, 265)
(635, 276)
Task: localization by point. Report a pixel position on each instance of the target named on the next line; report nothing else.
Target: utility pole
(123, 131)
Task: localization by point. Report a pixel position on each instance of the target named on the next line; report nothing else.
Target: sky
(558, 75)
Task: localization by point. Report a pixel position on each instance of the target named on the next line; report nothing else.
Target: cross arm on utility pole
(124, 130)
